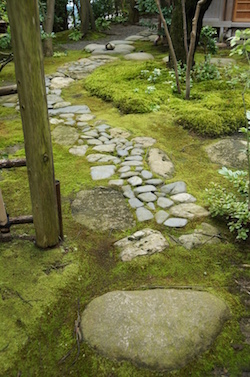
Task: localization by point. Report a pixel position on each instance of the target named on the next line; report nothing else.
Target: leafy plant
(208, 41)
(102, 24)
(75, 35)
(5, 40)
(205, 71)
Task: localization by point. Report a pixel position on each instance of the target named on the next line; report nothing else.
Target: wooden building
(228, 15)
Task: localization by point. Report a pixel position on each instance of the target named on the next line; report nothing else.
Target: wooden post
(28, 58)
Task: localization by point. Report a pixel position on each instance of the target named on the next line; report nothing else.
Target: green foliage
(103, 8)
(5, 40)
(75, 35)
(231, 204)
(205, 71)
(102, 24)
(207, 40)
(3, 11)
(240, 43)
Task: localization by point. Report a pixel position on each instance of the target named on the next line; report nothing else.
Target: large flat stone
(159, 329)
(77, 109)
(160, 163)
(64, 135)
(229, 152)
(189, 211)
(102, 172)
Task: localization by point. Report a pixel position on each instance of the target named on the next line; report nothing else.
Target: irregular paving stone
(70, 123)
(229, 152)
(144, 141)
(175, 222)
(94, 142)
(139, 56)
(142, 242)
(91, 133)
(164, 202)
(53, 98)
(161, 329)
(132, 163)
(55, 121)
(116, 182)
(119, 132)
(102, 172)
(189, 211)
(133, 158)
(102, 208)
(85, 117)
(123, 49)
(207, 234)
(161, 216)
(183, 198)
(124, 169)
(128, 174)
(78, 150)
(134, 38)
(122, 152)
(77, 109)
(136, 152)
(147, 197)
(60, 82)
(146, 174)
(105, 148)
(142, 189)
(154, 181)
(61, 104)
(151, 205)
(64, 135)
(143, 214)
(174, 188)
(102, 127)
(135, 181)
(160, 163)
(134, 202)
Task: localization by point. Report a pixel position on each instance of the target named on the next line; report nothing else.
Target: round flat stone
(102, 172)
(143, 214)
(124, 169)
(175, 222)
(128, 174)
(146, 174)
(105, 148)
(94, 142)
(122, 152)
(135, 181)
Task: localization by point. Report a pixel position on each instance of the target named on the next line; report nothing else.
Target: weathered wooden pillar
(28, 58)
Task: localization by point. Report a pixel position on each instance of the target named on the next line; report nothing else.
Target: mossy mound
(214, 109)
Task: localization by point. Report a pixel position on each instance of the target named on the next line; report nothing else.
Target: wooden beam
(28, 59)
(6, 90)
(7, 164)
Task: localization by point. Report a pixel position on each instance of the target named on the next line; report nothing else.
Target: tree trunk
(84, 16)
(48, 28)
(133, 16)
(92, 18)
(28, 58)
(61, 20)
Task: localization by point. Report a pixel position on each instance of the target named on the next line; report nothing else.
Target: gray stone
(102, 208)
(174, 188)
(122, 49)
(142, 242)
(66, 115)
(78, 150)
(103, 139)
(154, 181)
(94, 142)
(183, 198)
(229, 152)
(124, 169)
(85, 117)
(160, 163)
(151, 206)
(105, 148)
(207, 234)
(60, 82)
(91, 133)
(147, 197)
(132, 163)
(77, 109)
(161, 329)
(53, 98)
(102, 127)
(116, 182)
(129, 194)
(144, 141)
(122, 152)
(136, 152)
(176, 222)
(135, 181)
(55, 121)
(146, 174)
(59, 105)
(128, 174)
(64, 135)
(102, 172)
(139, 56)
(189, 211)
(164, 202)
(161, 216)
(134, 202)
(119, 132)
(133, 158)
(143, 214)
(134, 38)
(142, 189)
(70, 123)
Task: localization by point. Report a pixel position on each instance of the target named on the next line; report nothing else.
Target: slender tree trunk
(192, 45)
(28, 58)
(84, 16)
(171, 48)
(92, 18)
(48, 28)
(184, 26)
(133, 12)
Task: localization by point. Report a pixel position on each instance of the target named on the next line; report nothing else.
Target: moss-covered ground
(41, 290)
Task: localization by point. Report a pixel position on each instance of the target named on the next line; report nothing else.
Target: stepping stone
(132, 163)
(146, 174)
(142, 242)
(59, 105)
(119, 132)
(55, 121)
(161, 216)
(80, 109)
(142, 189)
(122, 152)
(70, 123)
(164, 202)
(91, 133)
(94, 142)
(139, 56)
(154, 181)
(116, 182)
(128, 193)
(189, 211)
(105, 148)
(53, 98)
(160, 329)
(102, 127)
(151, 206)
(134, 38)
(85, 117)
(60, 82)
(135, 181)
(133, 158)
(183, 198)
(207, 234)
(160, 163)
(124, 169)
(143, 214)
(134, 202)
(175, 222)
(64, 135)
(136, 151)
(78, 150)
(229, 152)
(174, 188)
(102, 172)
(144, 141)
(128, 174)
(147, 197)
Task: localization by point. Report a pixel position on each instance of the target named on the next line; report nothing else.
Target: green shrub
(75, 35)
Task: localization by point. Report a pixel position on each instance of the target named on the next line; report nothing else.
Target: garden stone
(116, 182)
(143, 214)
(105, 148)
(120, 42)
(136, 151)
(70, 123)
(60, 82)
(207, 234)
(161, 216)
(102, 208)
(132, 163)
(55, 121)
(129, 194)
(164, 202)
(143, 141)
(174, 188)
(183, 198)
(91, 133)
(78, 150)
(147, 197)
(154, 181)
(188, 210)
(135, 181)
(118, 132)
(160, 329)
(151, 206)
(134, 202)
(229, 152)
(133, 158)
(85, 117)
(134, 38)
(128, 174)
(160, 163)
(66, 115)
(139, 56)
(124, 169)
(102, 172)
(122, 152)
(94, 142)
(102, 127)
(146, 174)
(175, 222)
(59, 105)
(64, 135)
(142, 189)
(53, 98)
(77, 109)
(142, 242)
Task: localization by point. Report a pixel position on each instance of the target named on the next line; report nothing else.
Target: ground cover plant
(40, 290)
